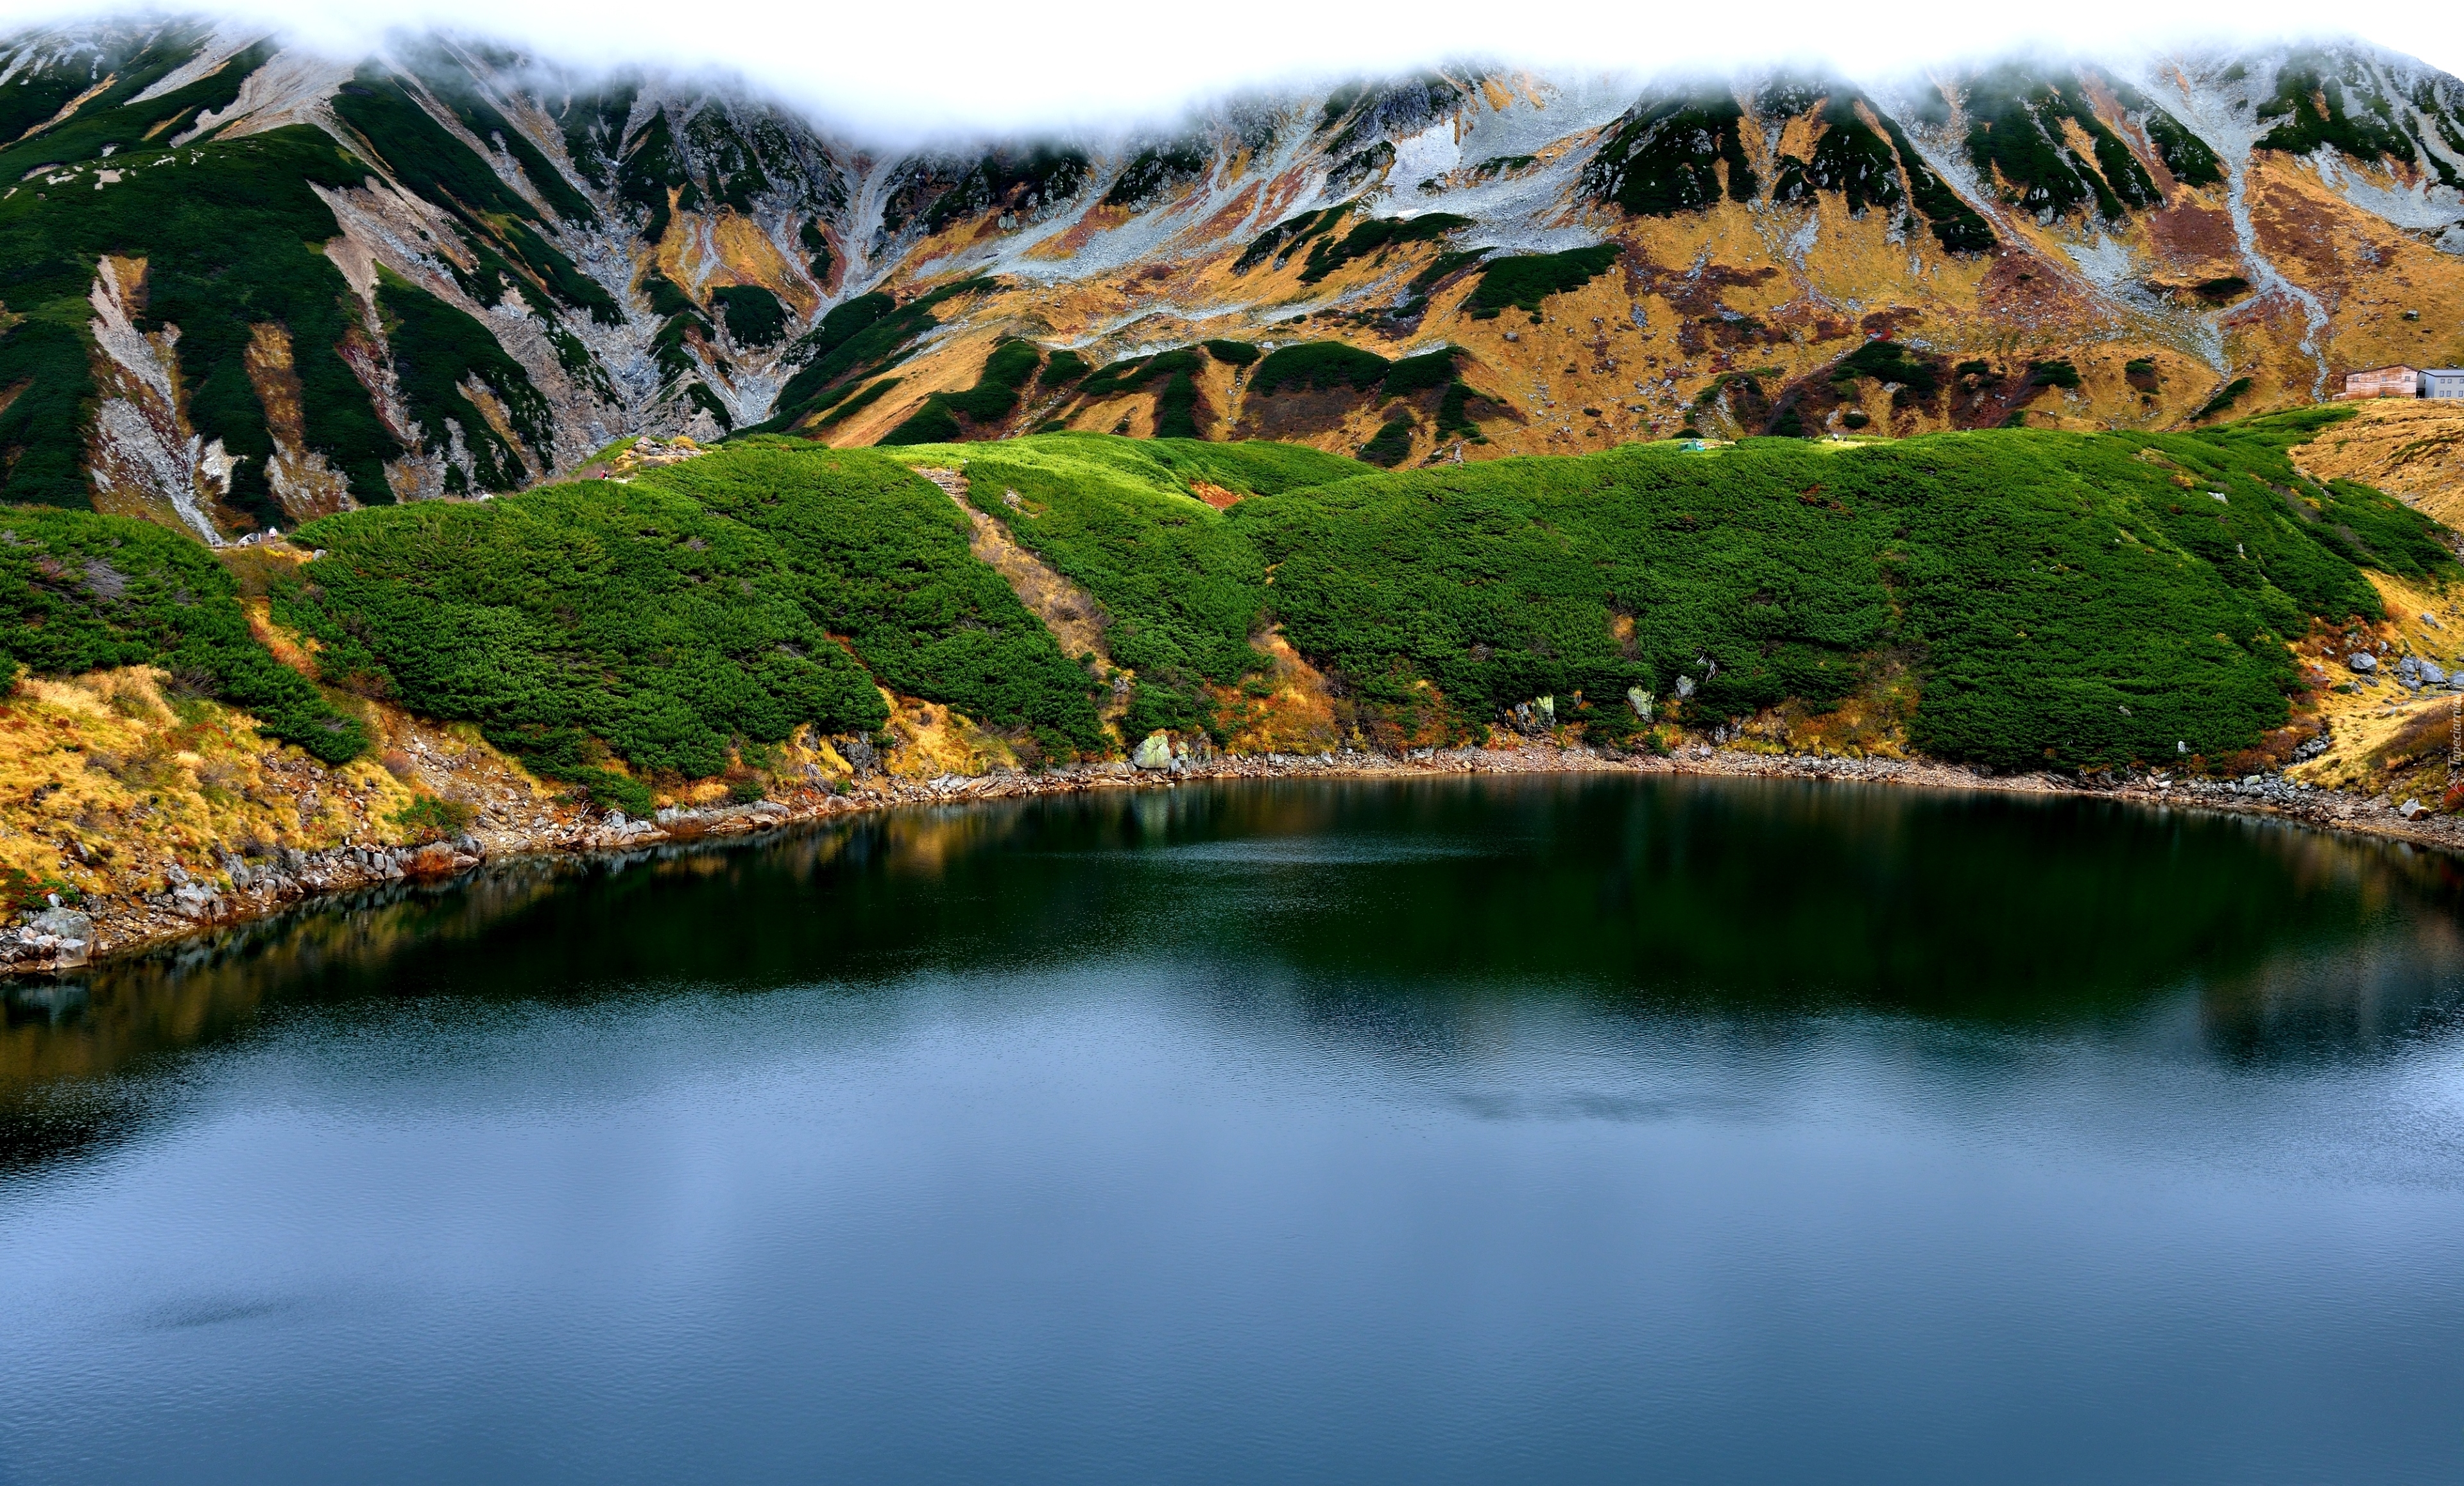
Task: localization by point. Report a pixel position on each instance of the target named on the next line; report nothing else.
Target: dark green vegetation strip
(81, 592)
(1278, 242)
(2015, 126)
(2315, 110)
(1848, 157)
(1009, 368)
(230, 234)
(1176, 406)
(1374, 236)
(1319, 366)
(2226, 398)
(1664, 158)
(1156, 169)
(1523, 281)
(862, 337)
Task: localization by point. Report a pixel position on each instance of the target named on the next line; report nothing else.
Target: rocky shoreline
(62, 937)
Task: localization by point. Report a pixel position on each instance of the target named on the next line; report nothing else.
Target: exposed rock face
(515, 267)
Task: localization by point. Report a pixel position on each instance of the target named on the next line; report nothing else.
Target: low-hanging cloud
(965, 66)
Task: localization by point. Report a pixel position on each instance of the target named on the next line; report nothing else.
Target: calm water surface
(1459, 1130)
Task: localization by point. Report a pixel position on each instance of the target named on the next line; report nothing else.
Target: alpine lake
(1538, 1128)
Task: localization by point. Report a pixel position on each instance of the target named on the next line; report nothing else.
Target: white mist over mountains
(953, 67)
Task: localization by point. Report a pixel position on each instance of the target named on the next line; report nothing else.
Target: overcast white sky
(901, 66)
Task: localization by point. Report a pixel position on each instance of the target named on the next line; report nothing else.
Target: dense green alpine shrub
(882, 556)
(1318, 366)
(578, 620)
(1114, 515)
(1523, 281)
(81, 592)
(2063, 600)
(1009, 367)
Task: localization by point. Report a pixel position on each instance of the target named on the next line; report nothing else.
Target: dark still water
(1459, 1130)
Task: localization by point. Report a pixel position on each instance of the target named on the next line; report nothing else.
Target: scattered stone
(2363, 661)
(60, 923)
(2412, 809)
(1154, 752)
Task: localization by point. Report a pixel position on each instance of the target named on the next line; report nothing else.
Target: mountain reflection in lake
(1448, 1129)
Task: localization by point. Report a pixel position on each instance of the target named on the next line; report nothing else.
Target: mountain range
(243, 285)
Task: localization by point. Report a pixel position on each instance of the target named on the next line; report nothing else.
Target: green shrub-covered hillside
(663, 621)
(2065, 596)
(81, 592)
(2078, 600)
(1182, 587)
(575, 622)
